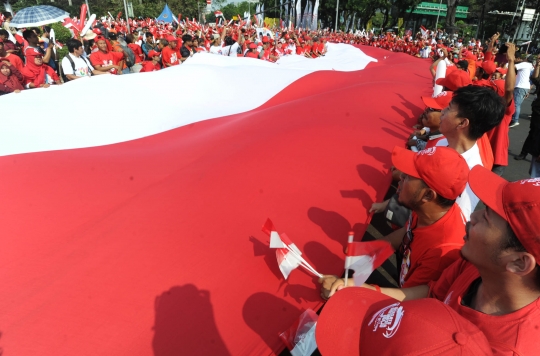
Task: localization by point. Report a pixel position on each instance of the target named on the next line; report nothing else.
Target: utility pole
(337, 14)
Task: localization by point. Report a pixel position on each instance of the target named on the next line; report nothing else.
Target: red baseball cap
(265, 39)
(153, 54)
(489, 67)
(516, 202)
(443, 169)
(455, 80)
(171, 39)
(361, 322)
(439, 102)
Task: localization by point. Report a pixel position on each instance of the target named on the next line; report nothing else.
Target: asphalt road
(519, 169)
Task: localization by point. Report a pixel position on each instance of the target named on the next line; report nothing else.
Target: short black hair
(129, 38)
(229, 41)
(73, 44)
(4, 33)
(463, 64)
(27, 34)
(149, 34)
(187, 38)
(112, 36)
(482, 106)
(7, 14)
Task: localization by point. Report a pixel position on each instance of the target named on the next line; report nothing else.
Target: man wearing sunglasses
(430, 241)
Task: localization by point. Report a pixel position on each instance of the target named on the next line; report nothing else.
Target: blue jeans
(126, 71)
(519, 96)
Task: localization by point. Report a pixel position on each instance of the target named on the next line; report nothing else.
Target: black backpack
(64, 77)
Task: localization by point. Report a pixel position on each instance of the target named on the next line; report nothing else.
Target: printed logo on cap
(429, 151)
(535, 181)
(442, 93)
(388, 318)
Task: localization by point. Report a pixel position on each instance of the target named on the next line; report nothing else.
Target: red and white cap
(443, 169)
(360, 322)
(455, 80)
(516, 202)
(439, 102)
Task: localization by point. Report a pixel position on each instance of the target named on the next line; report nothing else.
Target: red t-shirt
(139, 55)
(169, 56)
(433, 248)
(498, 137)
(511, 334)
(252, 54)
(106, 59)
(486, 153)
(149, 66)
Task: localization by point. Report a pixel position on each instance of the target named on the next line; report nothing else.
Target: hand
(378, 207)
(7, 62)
(17, 91)
(511, 52)
(326, 282)
(495, 37)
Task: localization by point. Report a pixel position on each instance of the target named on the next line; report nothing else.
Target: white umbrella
(38, 16)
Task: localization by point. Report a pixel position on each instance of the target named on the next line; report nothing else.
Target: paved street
(519, 169)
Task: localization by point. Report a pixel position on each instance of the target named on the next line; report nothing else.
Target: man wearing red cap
(153, 65)
(169, 54)
(431, 180)
(496, 283)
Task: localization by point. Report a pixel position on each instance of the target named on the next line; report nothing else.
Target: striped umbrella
(38, 16)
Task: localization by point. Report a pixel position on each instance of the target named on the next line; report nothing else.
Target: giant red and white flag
(131, 205)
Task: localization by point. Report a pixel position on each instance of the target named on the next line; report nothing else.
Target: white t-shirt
(467, 201)
(524, 70)
(82, 68)
(231, 51)
(216, 49)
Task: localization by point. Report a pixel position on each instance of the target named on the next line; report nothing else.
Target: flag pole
(303, 262)
(350, 240)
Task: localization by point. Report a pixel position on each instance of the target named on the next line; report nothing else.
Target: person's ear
(429, 195)
(464, 123)
(520, 263)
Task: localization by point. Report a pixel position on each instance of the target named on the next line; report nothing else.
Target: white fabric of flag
(365, 257)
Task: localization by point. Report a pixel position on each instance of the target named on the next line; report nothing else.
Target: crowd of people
(475, 268)
(478, 266)
(110, 48)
